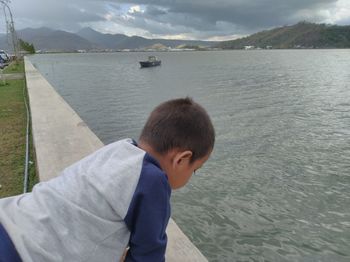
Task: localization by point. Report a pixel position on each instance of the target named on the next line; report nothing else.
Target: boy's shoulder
(125, 154)
(123, 150)
(152, 176)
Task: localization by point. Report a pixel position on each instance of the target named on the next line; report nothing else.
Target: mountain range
(120, 41)
(301, 35)
(49, 40)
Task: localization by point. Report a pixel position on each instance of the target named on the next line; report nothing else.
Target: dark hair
(179, 123)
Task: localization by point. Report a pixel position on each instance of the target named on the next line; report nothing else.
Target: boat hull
(150, 63)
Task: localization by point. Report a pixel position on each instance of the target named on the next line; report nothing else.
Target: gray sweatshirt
(111, 199)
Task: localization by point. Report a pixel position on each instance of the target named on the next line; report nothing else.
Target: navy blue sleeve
(148, 214)
(8, 252)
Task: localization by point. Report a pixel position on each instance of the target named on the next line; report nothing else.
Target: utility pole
(10, 27)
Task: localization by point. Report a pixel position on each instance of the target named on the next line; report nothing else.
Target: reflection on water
(277, 187)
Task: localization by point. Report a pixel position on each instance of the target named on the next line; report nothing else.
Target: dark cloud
(198, 18)
(57, 11)
(57, 14)
(246, 13)
(155, 11)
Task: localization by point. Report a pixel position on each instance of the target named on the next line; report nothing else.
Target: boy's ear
(182, 156)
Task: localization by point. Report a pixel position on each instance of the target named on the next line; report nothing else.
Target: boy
(118, 196)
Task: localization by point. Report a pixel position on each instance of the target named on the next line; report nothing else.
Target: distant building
(249, 47)
(157, 47)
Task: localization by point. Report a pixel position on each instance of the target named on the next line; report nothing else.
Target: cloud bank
(180, 19)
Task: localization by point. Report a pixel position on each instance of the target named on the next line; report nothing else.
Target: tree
(25, 46)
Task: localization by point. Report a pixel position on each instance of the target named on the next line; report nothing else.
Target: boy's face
(181, 169)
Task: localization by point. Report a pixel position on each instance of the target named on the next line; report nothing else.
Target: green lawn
(14, 68)
(12, 138)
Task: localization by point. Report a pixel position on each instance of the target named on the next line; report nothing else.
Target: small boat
(152, 61)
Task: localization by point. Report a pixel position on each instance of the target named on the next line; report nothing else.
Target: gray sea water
(277, 187)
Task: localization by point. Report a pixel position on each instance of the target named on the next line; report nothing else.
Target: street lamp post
(10, 26)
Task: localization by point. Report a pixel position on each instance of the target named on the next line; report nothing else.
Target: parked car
(4, 59)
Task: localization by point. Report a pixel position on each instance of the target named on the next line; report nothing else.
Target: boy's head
(179, 133)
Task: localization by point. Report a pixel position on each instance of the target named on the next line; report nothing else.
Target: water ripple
(277, 187)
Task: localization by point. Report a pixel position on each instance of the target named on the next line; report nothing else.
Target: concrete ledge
(61, 138)
(60, 135)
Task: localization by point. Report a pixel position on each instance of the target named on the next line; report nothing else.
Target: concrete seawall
(61, 138)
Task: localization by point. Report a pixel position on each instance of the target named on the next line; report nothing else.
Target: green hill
(301, 35)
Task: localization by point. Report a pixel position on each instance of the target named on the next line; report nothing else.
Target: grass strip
(12, 138)
(14, 67)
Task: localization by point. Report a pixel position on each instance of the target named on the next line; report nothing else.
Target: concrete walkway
(61, 138)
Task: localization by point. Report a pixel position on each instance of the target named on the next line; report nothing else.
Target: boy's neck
(146, 147)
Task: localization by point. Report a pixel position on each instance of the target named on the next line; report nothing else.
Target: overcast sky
(176, 19)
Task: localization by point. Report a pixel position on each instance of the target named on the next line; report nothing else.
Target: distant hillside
(140, 42)
(301, 35)
(120, 41)
(49, 40)
(108, 41)
(46, 39)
